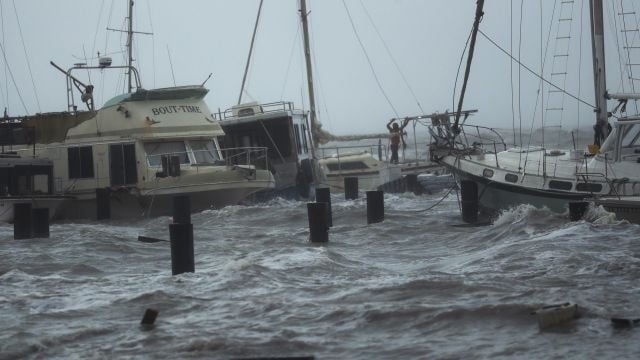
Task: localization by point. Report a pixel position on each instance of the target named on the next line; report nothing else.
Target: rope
(533, 72)
(4, 55)
(286, 75)
(353, 26)
(439, 201)
(455, 84)
(2, 42)
(95, 33)
(24, 48)
(406, 82)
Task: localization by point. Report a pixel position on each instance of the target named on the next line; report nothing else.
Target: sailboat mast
(472, 45)
(597, 44)
(307, 56)
(130, 43)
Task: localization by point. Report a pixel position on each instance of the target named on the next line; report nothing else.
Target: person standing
(396, 137)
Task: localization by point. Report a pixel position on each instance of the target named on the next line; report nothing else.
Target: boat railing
(470, 137)
(335, 152)
(485, 138)
(379, 151)
(252, 156)
(245, 156)
(266, 108)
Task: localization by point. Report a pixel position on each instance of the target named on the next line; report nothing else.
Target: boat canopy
(195, 92)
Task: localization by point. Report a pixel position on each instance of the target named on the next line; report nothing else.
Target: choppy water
(414, 286)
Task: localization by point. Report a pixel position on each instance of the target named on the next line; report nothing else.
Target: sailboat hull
(495, 197)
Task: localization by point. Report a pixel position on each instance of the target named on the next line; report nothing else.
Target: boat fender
(556, 314)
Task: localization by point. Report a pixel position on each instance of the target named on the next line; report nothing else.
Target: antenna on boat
(207, 79)
(474, 33)
(130, 33)
(130, 43)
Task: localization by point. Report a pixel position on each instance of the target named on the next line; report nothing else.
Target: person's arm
(389, 124)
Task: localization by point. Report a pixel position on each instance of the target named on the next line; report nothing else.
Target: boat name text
(174, 109)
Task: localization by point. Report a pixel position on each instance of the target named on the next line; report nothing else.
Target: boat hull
(495, 197)
(126, 204)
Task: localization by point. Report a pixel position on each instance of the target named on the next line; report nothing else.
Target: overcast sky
(192, 38)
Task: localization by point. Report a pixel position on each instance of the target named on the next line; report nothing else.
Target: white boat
(27, 180)
(338, 163)
(145, 146)
(285, 132)
(498, 178)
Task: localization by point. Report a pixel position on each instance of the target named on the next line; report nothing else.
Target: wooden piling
(103, 204)
(318, 226)
(350, 188)
(375, 206)
(22, 221)
(469, 201)
(324, 195)
(40, 222)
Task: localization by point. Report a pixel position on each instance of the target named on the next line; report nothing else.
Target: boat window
(123, 168)
(80, 160)
(560, 185)
(631, 135)
(487, 173)
(204, 151)
(155, 150)
(590, 187)
(512, 178)
(41, 184)
(350, 165)
(296, 130)
(305, 148)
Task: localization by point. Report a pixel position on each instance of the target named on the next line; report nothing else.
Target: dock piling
(577, 209)
(375, 206)
(40, 222)
(22, 221)
(324, 195)
(181, 236)
(350, 188)
(103, 204)
(469, 201)
(318, 226)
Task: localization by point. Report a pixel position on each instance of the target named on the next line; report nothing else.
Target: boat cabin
(280, 128)
(24, 177)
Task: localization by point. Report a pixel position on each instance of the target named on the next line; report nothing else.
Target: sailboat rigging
(493, 178)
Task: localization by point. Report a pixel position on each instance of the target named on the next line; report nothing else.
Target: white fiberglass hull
(494, 197)
(126, 204)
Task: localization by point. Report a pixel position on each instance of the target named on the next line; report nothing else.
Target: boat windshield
(155, 151)
(204, 151)
(631, 136)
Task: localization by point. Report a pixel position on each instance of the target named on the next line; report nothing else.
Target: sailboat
(143, 147)
(493, 177)
(284, 130)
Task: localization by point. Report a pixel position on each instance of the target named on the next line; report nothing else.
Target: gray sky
(426, 39)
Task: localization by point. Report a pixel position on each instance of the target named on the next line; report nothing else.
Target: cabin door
(122, 164)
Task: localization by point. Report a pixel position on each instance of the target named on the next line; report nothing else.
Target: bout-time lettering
(174, 109)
